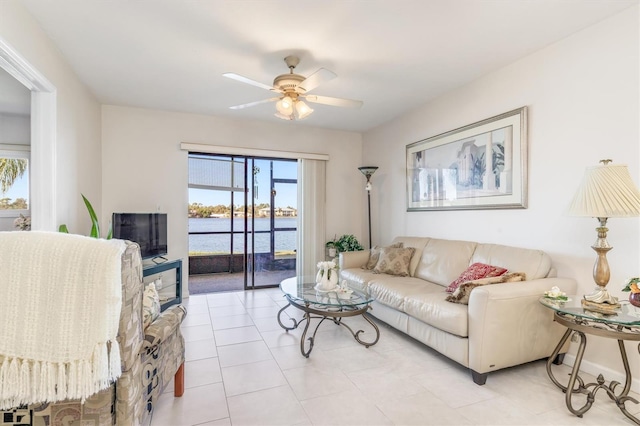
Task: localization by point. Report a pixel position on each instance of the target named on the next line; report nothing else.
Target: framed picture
(479, 166)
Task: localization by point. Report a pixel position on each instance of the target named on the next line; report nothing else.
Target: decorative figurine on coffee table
(327, 276)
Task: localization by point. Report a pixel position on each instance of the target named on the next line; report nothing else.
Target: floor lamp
(368, 171)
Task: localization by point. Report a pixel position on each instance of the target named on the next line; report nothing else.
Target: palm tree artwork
(479, 165)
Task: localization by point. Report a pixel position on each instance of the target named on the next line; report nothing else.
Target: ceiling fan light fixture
(291, 89)
(302, 110)
(285, 106)
(287, 102)
(284, 116)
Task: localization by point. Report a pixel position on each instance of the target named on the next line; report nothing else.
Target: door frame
(42, 179)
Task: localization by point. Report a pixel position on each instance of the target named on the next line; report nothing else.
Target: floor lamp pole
(368, 171)
(369, 203)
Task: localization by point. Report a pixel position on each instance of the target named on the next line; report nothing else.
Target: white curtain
(311, 215)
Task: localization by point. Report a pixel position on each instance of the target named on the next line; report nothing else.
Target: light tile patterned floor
(243, 369)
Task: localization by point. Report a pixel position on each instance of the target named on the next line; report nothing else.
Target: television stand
(167, 266)
(158, 260)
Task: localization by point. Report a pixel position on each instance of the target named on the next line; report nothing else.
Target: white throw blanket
(59, 314)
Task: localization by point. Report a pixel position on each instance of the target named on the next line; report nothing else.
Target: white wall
(78, 161)
(15, 129)
(144, 168)
(582, 94)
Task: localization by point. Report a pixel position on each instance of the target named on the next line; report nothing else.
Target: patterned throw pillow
(475, 272)
(375, 255)
(150, 305)
(462, 293)
(394, 261)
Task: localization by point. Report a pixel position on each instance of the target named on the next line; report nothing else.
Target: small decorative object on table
(556, 294)
(343, 291)
(632, 285)
(600, 308)
(604, 307)
(327, 276)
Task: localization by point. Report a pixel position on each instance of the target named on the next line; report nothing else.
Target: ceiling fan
(292, 89)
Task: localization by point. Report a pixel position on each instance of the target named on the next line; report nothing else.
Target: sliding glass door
(242, 221)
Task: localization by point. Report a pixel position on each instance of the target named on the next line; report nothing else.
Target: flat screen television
(149, 230)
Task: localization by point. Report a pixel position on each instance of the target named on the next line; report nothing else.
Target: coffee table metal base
(311, 312)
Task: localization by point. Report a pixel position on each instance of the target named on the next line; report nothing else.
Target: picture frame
(448, 171)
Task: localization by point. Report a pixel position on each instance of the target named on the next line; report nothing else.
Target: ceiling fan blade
(317, 78)
(250, 104)
(243, 79)
(339, 102)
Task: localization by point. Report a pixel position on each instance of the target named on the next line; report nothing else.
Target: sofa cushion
(417, 243)
(392, 291)
(375, 255)
(357, 278)
(475, 272)
(535, 264)
(443, 260)
(394, 261)
(433, 309)
(462, 293)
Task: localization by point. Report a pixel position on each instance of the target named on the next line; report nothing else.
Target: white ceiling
(392, 54)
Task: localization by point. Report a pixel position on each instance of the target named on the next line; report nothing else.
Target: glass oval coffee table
(300, 292)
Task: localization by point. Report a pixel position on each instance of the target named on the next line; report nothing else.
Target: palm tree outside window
(14, 183)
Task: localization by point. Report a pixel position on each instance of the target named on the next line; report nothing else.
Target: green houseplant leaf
(95, 226)
(331, 243)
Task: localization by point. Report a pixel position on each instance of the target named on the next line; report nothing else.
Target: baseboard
(609, 374)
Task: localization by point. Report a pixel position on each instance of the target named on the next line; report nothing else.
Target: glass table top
(302, 289)
(627, 314)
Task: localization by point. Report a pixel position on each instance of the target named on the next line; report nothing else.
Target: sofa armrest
(509, 326)
(165, 325)
(353, 259)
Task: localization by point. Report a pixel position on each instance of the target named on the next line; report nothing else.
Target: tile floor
(243, 369)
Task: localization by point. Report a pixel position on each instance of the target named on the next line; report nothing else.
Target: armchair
(149, 358)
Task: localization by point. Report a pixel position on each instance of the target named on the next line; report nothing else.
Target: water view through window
(221, 243)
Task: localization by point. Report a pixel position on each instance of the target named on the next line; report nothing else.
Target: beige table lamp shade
(606, 191)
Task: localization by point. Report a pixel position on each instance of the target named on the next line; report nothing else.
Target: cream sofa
(503, 325)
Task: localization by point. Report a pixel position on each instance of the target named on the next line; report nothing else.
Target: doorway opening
(242, 222)
(42, 193)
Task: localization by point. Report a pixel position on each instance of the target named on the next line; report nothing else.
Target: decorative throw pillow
(394, 261)
(150, 305)
(462, 293)
(375, 255)
(475, 272)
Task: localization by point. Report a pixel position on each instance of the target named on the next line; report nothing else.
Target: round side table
(622, 324)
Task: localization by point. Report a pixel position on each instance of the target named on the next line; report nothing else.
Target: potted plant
(347, 242)
(331, 246)
(95, 226)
